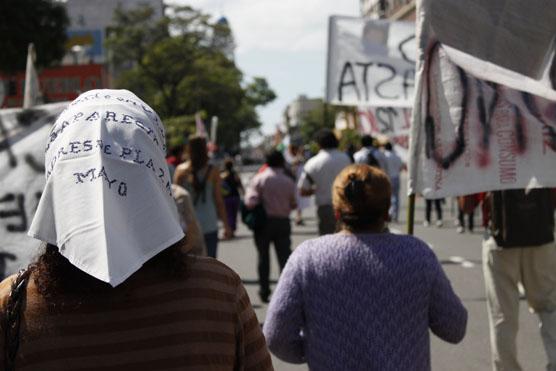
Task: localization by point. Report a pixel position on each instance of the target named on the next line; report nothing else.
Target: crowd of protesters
(356, 298)
(307, 320)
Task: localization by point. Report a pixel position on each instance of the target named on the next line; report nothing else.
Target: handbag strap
(13, 318)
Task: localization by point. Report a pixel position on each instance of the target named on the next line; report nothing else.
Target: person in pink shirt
(275, 190)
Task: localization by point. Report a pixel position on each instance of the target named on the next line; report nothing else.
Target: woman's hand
(228, 233)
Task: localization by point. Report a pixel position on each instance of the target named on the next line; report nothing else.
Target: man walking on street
(275, 190)
(520, 248)
(318, 175)
(394, 166)
(369, 154)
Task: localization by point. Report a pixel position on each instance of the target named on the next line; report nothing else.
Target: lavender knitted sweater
(362, 302)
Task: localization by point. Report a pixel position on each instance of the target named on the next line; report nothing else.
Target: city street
(106, 105)
(460, 255)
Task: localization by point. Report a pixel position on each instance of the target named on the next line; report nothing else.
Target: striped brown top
(202, 322)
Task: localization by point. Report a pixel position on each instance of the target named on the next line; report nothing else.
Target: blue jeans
(211, 241)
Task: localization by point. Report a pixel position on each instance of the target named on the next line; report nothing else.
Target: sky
(283, 41)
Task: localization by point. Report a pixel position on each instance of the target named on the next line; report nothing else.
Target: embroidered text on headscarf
(130, 153)
(107, 201)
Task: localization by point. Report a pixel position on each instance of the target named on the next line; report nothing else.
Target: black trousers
(461, 218)
(327, 221)
(438, 207)
(278, 232)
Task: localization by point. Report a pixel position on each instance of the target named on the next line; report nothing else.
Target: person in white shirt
(368, 148)
(318, 175)
(394, 165)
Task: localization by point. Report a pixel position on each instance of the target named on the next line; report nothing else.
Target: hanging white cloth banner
(23, 134)
(483, 119)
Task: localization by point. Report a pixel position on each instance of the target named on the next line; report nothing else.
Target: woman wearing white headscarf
(114, 288)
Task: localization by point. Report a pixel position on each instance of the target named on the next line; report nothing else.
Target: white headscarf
(107, 202)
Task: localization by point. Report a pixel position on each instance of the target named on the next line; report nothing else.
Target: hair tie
(354, 190)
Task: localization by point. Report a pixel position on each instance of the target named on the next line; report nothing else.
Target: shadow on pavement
(241, 237)
(457, 262)
(304, 233)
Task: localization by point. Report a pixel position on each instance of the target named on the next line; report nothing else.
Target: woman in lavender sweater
(362, 299)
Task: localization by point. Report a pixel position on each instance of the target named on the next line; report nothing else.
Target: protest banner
(23, 136)
(391, 122)
(483, 120)
(370, 62)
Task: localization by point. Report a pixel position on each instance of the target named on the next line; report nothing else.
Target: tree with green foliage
(42, 22)
(321, 117)
(258, 92)
(349, 137)
(181, 65)
(324, 117)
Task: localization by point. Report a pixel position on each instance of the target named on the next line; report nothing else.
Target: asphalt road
(460, 255)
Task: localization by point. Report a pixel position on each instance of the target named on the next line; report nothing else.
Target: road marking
(461, 261)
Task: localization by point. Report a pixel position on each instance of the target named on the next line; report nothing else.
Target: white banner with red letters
(482, 119)
(393, 123)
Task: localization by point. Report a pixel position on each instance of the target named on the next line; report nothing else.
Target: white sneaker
(439, 223)
(426, 224)
(461, 229)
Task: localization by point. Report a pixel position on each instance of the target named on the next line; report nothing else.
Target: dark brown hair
(361, 197)
(275, 159)
(197, 152)
(198, 155)
(327, 139)
(56, 278)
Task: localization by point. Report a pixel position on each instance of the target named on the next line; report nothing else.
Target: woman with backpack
(202, 180)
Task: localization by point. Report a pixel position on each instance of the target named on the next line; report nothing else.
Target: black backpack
(520, 219)
(371, 159)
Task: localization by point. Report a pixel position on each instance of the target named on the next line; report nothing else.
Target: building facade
(85, 65)
(89, 20)
(390, 9)
(56, 84)
(297, 109)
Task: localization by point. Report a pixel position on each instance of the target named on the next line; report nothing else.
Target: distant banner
(23, 135)
(370, 62)
(391, 122)
(472, 134)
